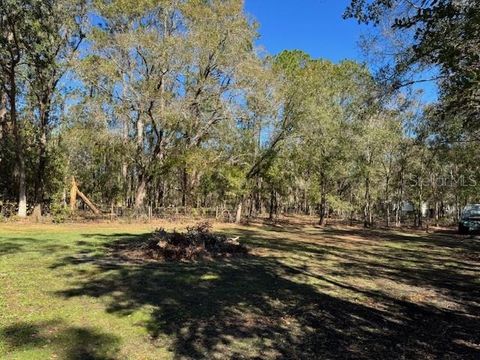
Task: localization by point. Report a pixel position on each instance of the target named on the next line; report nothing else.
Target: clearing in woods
(303, 292)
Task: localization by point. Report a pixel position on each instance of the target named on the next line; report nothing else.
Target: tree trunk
(367, 210)
(251, 205)
(397, 214)
(323, 200)
(420, 203)
(238, 215)
(258, 201)
(3, 126)
(161, 194)
(306, 207)
(323, 209)
(185, 187)
(140, 193)
(398, 211)
(125, 138)
(457, 207)
(420, 215)
(22, 193)
(125, 183)
(388, 215)
(272, 204)
(73, 195)
(141, 189)
(40, 177)
(387, 200)
(275, 201)
(42, 157)
(125, 178)
(3, 113)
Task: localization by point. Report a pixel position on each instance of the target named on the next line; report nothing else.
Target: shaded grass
(304, 293)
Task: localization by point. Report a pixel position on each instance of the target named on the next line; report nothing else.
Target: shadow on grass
(10, 246)
(68, 343)
(260, 307)
(446, 263)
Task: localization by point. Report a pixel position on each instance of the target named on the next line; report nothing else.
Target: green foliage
(168, 103)
(59, 212)
(444, 34)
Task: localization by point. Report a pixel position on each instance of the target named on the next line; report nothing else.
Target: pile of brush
(197, 242)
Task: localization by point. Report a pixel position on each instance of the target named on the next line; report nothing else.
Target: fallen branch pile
(198, 242)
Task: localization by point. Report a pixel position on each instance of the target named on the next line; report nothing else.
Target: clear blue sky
(314, 26)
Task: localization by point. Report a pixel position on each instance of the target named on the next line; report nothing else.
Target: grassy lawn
(303, 293)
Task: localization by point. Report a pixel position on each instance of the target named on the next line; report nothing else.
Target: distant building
(407, 208)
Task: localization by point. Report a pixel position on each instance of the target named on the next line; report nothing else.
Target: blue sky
(314, 26)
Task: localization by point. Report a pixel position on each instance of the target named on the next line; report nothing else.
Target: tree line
(171, 103)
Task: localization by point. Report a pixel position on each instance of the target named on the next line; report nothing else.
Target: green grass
(302, 293)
